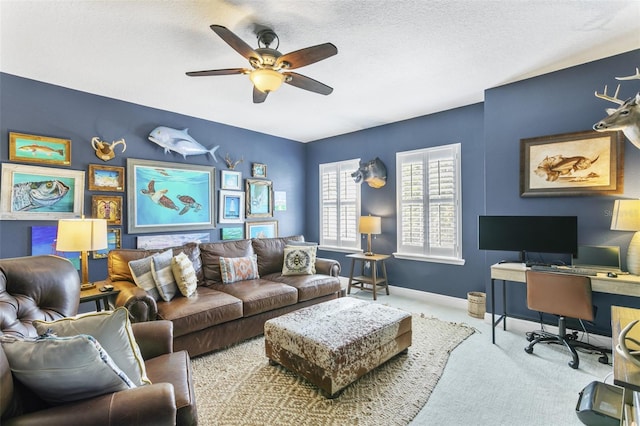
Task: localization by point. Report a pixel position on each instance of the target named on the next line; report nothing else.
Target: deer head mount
(231, 165)
(626, 117)
(104, 150)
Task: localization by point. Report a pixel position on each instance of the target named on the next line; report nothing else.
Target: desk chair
(564, 295)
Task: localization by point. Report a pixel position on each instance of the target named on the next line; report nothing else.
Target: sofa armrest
(140, 305)
(154, 338)
(327, 267)
(145, 405)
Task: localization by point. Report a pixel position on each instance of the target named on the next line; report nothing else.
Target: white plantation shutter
(339, 205)
(429, 208)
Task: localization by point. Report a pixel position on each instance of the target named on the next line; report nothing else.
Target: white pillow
(113, 330)
(299, 260)
(142, 276)
(64, 369)
(185, 274)
(163, 275)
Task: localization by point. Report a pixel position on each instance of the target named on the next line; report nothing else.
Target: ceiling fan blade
(227, 71)
(306, 83)
(306, 56)
(258, 96)
(236, 43)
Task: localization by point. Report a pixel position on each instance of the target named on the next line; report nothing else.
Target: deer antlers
(232, 164)
(614, 98)
(104, 150)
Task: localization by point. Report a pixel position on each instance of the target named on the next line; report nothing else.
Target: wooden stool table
(361, 281)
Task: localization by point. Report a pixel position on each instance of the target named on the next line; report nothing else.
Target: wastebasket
(477, 302)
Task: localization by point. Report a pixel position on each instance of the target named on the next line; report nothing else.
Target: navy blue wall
(37, 108)
(560, 102)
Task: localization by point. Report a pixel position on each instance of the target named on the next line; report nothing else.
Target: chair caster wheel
(530, 337)
(528, 350)
(603, 359)
(573, 365)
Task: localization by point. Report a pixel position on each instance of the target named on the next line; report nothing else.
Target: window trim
(423, 253)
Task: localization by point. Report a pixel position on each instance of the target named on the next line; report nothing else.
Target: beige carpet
(237, 386)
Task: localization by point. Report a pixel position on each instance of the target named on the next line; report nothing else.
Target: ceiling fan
(270, 67)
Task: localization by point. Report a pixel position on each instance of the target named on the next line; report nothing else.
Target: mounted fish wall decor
(373, 172)
(179, 141)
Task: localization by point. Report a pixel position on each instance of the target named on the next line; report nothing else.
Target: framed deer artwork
(571, 164)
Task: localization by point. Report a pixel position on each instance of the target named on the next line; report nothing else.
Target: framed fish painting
(40, 193)
(39, 149)
(165, 196)
(571, 164)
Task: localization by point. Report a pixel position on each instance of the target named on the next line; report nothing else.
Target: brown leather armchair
(48, 288)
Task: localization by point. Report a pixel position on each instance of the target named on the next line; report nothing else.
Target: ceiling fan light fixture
(266, 80)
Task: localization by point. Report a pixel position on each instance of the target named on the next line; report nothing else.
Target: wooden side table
(373, 281)
(100, 297)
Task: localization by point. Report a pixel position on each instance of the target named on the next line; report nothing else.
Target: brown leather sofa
(48, 288)
(220, 315)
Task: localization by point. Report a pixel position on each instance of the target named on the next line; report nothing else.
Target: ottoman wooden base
(334, 343)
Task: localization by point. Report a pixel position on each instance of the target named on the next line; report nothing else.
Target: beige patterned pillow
(185, 274)
(299, 260)
(234, 269)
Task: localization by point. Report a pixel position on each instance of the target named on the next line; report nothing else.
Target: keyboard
(565, 270)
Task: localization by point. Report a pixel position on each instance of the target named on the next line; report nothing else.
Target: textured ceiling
(396, 59)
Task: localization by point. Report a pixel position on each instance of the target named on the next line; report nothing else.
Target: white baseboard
(513, 324)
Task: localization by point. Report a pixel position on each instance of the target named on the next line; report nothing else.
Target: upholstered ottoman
(332, 344)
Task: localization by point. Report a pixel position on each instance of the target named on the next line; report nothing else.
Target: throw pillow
(234, 269)
(64, 369)
(113, 330)
(185, 274)
(163, 275)
(299, 260)
(142, 276)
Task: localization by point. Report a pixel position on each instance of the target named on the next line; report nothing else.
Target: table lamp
(369, 225)
(626, 217)
(82, 235)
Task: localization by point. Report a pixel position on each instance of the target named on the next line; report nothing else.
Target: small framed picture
(230, 179)
(259, 170)
(264, 229)
(259, 198)
(113, 243)
(231, 206)
(106, 178)
(107, 207)
(232, 233)
(39, 149)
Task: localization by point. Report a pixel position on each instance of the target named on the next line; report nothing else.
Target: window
(428, 204)
(339, 205)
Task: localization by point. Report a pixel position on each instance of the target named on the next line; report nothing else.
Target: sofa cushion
(299, 260)
(163, 275)
(207, 307)
(270, 252)
(309, 286)
(64, 369)
(113, 330)
(234, 269)
(211, 252)
(185, 274)
(260, 295)
(143, 277)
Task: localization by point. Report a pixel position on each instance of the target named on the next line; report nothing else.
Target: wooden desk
(374, 280)
(626, 374)
(624, 284)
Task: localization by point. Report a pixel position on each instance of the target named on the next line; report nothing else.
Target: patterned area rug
(237, 386)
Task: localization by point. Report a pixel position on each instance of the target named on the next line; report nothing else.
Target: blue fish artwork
(179, 141)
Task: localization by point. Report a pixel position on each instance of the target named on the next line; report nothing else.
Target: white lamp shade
(626, 215)
(81, 235)
(266, 80)
(370, 225)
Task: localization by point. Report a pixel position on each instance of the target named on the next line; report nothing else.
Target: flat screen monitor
(541, 234)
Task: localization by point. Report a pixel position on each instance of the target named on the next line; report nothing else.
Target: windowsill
(434, 259)
(340, 249)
